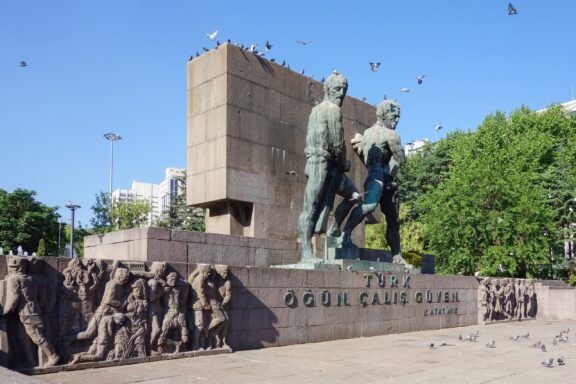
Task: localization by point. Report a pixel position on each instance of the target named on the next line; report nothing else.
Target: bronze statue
(325, 166)
(382, 153)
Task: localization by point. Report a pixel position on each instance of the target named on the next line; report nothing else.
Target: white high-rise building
(157, 195)
(414, 147)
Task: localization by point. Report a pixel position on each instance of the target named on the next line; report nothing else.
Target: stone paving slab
(399, 358)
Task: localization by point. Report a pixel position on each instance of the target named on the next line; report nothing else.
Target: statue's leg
(316, 171)
(346, 190)
(373, 191)
(389, 210)
(37, 336)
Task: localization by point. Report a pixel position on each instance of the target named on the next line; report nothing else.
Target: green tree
(101, 220)
(24, 221)
(128, 214)
(179, 215)
(497, 209)
(41, 248)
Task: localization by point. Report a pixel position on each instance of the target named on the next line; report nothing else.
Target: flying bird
(302, 42)
(23, 64)
(267, 45)
(511, 10)
(212, 36)
(438, 127)
(374, 66)
(404, 90)
(420, 79)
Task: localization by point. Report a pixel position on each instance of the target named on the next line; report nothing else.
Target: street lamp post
(72, 208)
(111, 137)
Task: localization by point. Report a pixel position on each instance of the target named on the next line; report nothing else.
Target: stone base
(113, 363)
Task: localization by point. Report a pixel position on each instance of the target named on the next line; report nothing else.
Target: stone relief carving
(94, 312)
(507, 298)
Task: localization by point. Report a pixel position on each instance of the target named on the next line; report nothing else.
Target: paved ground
(402, 358)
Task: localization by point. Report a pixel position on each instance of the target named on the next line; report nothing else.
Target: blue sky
(120, 66)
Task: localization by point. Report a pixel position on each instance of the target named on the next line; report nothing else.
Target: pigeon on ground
(555, 342)
(491, 344)
(374, 66)
(561, 360)
(292, 173)
(430, 345)
(420, 79)
(197, 54)
(253, 48)
(548, 363)
(536, 344)
(212, 36)
(283, 63)
(349, 268)
(267, 45)
(543, 347)
(525, 336)
(511, 10)
(460, 337)
(515, 338)
(563, 339)
(302, 71)
(372, 269)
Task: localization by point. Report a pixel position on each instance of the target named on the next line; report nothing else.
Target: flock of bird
(562, 337)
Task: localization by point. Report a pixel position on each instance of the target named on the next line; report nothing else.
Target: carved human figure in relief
(218, 316)
(486, 299)
(24, 297)
(137, 329)
(175, 298)
(521, 298)
(113, 301)
(220, 330)
(103, 344)
(156, 285)
(200, 305)
(382, 153)
(325, 166)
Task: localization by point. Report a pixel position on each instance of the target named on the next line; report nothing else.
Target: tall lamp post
(111, 137)
(72, 208)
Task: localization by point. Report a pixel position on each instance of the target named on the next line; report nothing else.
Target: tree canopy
(25, 221)
(496, 200)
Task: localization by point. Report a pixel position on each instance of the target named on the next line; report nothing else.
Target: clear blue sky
(100, 66)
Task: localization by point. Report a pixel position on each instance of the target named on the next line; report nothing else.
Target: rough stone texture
(246, 128)
(389, 359)
(555, 299)
(160, 244)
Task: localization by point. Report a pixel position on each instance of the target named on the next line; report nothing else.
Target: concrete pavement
(399, 358)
